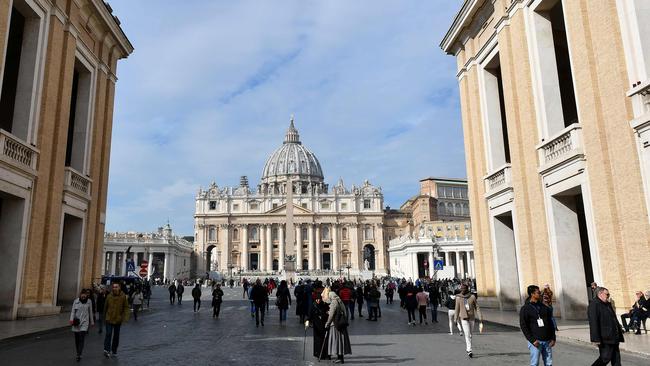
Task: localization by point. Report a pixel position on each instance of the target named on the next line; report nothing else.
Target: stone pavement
(173, 334)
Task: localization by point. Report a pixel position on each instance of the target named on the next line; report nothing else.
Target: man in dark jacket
(605, 330)
(434, 300)
(260, 297)
(196, 295)
(172, 293)
(179, 292)
(536, 322)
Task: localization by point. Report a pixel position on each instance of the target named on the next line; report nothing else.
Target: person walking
(172, 294)
(434, 301)
(260, 297)
(337, 324)
(422, 300)
(250, 299)
(179, 292)
(81, 318)
(137, 300)
(360, 299)
(410, 301)
(604, 329)
(466, 311)
(389, 292)
(345, 293)
(196, 295)
(217, 298)
(373, 303)
(245, 285)
(301, 305)
(317, 318)
(450, 304)
(283, 300)
(536, 322)
(116, 312)
(101, 300)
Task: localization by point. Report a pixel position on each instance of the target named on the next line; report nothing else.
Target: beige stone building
(58, 69)
(555, 101)
(292, 221)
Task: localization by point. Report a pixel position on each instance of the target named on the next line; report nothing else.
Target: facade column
(414, 265)
(355, 251)
(380, 263)
(113, 263)
(335, 247)
(459, 263)
(123, 269)
(470, 264)
(224, 245)
(312, 259)
(262, 259)
(172, 265)
(430, 267)
(150, 267)
(298, 247)
(447, 263)
(269, 248)
(243, 239)
(319, 256)
(166, 271)
(281, 246)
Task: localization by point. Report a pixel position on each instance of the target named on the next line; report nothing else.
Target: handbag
(341, 320)
(75, 321)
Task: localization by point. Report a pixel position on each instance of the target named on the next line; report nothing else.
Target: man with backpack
(179, 292)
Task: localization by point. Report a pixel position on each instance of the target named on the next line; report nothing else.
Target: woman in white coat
(81, 318)
(337, 325)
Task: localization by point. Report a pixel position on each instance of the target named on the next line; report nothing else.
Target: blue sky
(209, 90)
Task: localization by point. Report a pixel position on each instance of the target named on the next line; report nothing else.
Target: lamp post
(230, 267)
(348, 266)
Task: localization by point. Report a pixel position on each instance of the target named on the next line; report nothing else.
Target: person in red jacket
(346, 295)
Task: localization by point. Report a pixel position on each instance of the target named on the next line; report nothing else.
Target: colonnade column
(355, 251)
(470, 264)
(447, 263)
(430, 266)
(123, 269)
(379, 246)
(113, 263)
(459, 265)
(269, 249)
(166, 264)
(172, 265)
(243, 239)
(224, 240)
(150, 267)
(298, 247)
(319, 256)
(335, 247)
(312, 262)
(262, 259)
(281, 247)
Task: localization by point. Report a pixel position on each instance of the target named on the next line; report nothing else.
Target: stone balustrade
(17, 152)
(499, 180)
(560, 148)
(77, 182)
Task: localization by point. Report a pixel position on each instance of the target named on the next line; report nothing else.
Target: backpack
(450, 303)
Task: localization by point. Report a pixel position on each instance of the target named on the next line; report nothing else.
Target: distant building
(168, 256)
(58, 66)
(431, 225)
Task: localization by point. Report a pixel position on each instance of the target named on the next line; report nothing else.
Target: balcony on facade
(498, 181)
(640, 96)
(77, 183)
(17, 153)
(564, 147)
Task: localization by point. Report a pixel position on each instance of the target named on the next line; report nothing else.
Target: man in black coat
(605, 330)
(536, 322)
(259, 296)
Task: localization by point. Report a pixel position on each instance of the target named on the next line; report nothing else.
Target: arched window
(465, 209)
(458, 211)
(305, 234)
(326, 232)
(344, 233)
(368, 233)
(441, 208)
(450, 208)
(212, 233)
(235, 234)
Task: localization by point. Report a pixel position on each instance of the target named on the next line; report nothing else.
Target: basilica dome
(292, 159)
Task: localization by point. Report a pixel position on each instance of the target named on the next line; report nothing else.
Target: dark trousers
(389, 299)
(112, 338)
(216, 308)
(423, 312)
(608, 353)
(180, 298)
(434, 313)
(379, 308)
(259, 314)
(79, 338)
(136, 309)
(351, 308)
(197, 304)
(373, 313)
(411, 311)
(360, 306)
(624, 321)
(172, 298)
(100, 320)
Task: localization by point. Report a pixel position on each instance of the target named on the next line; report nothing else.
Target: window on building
(305, 234)
(275, 205)
(465, 209)
(303, 205)
(212, 233)
(495, 112)
(213, 205)
(325, 205)
(21, 64)
(463, 193)
(441, 208)
(254, 206)
(303, 189)
(366, 204)
(458, 211)
(274, 233)
(79, 117)
(235, 234)
(344, 233)
(235, 207)
(253, 234)
(368, 233)
(441, 191)
(344, 206)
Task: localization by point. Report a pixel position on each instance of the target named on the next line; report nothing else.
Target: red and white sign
(143, 272)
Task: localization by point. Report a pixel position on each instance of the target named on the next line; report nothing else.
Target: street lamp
(348, 266)
(230, 267)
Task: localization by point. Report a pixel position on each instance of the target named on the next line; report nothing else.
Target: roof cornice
(113, 26)
(462, 19)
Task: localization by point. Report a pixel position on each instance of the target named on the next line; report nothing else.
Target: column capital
(224, 226)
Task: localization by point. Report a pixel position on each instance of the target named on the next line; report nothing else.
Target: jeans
(100, 320)
(172, 298)
(423, 313)
(351, 308)
(360, 306)
(216, 309)
(608, 353)
(180, 298)
(411, 311)
(434, 312)
(112, 338)
(259, 314)
(283, 314)
(136, 308)
(467, 325)
(79, 338)
(544, 350)
(197, 304)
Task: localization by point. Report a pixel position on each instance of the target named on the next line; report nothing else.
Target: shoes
(470, 354)
(450, 333)
(262, 323)
(425, 323)
(107, 354)
(461, 334)
(78, 358)
(114, 354)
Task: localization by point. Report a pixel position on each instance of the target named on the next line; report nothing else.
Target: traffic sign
(143, 272)
(437, 265)
(130, 266)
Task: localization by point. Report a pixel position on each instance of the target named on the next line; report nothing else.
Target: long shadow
(497, 354)
(375, 359)
(373, 344)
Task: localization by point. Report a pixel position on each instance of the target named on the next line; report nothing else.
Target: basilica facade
(292, 221)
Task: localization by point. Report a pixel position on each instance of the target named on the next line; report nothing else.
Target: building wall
(71, 30)
(612, 184)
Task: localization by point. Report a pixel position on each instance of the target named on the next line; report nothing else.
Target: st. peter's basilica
(244, 230)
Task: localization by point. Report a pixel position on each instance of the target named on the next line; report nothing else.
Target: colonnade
(463, 260)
